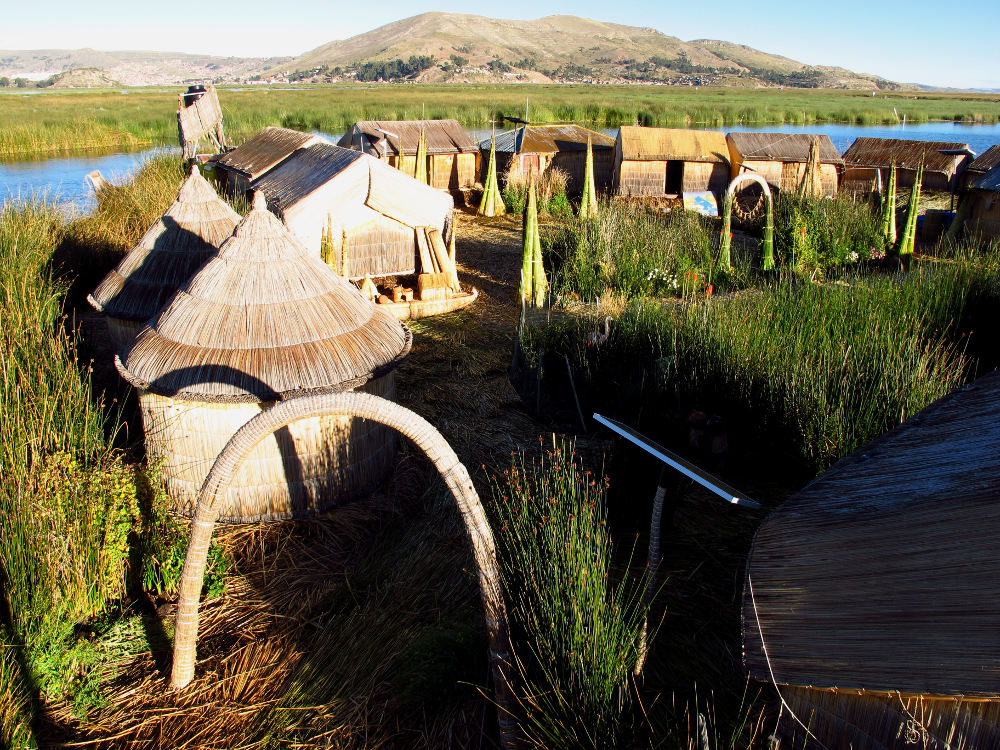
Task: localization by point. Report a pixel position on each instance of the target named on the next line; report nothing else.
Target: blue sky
(943, 44)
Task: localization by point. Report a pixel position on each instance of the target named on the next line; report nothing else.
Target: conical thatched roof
(262, 320)
(176, 246)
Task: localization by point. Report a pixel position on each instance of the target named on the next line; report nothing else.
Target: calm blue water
(63, 178)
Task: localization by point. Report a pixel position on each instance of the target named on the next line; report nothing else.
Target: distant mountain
(453, 47)
(457, 47)
(132, 68)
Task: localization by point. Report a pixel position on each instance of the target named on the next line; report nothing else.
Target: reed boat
(414, 309)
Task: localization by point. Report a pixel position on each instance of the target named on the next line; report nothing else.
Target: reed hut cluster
(870, 596)
(869, 160)
(536, 148)
(262, 320)
(451, 153)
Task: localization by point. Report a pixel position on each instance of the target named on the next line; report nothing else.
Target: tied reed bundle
(492, 204)
(889, 208)
(588, 201)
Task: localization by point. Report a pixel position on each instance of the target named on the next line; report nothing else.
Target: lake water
(62, 178)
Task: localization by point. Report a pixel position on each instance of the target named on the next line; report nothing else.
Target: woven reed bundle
(169, 253)
(435, 447)
(263, 320)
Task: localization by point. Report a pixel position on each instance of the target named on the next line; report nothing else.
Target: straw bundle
(176, 246)
(420, 168)
(492, 204)
(588, 200)
(889, 208)
(263, 320)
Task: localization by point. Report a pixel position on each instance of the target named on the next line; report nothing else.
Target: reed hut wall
(367, 209)
(574, 163)
(979, 166)
(878, 579)
(866, 721)
(984, 213)
(942, 171)
(310, 466)
(452, 154)
(669, 161)
(262, 320)
(781, 158)
(535, 148)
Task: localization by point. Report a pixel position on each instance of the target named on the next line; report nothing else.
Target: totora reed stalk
(588, 201)
(492, 204)
(907, 243)
(889, 208)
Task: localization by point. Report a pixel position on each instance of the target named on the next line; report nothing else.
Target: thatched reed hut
(670, 161)
(264, 319)
(356, 212)
(980, 166)
(237, 168)
(169, 253)
(871, 597)
(535, 148)
(983, 223)
(868, 156)
(452, 154)
(781, 158)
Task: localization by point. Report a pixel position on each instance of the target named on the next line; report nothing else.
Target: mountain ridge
(565, 47)
(459, 47)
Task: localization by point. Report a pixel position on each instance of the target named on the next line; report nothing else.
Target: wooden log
(443, 257)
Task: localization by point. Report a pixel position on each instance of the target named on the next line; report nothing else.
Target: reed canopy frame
(264, 320)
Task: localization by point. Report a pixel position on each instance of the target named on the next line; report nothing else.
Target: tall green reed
(575, 631)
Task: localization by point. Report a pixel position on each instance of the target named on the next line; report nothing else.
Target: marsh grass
(575, 630)
(819, 236)
(816, 370)
(125, 120)
(632, 251)
(67, 503)
(550, 189)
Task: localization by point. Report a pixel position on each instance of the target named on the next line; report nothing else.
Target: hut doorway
(673, 184)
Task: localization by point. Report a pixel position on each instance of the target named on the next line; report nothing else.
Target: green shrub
(634, 251)
(820, 235)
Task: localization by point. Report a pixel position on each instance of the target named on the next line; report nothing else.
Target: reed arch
(725, 244)
(434, 446)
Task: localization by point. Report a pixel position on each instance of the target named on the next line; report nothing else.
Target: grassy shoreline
(52, 122)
